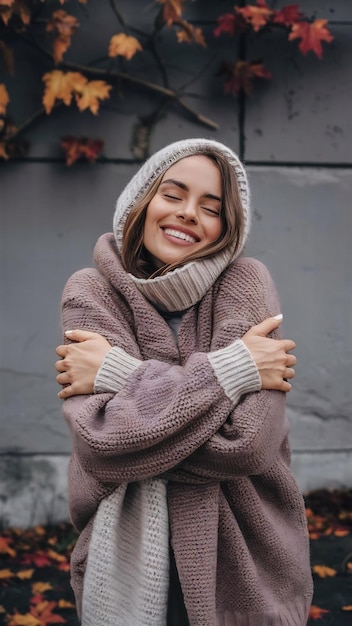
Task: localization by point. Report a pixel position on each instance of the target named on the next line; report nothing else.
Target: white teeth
(179, 235)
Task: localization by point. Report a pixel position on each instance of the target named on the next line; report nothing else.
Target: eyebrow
(182, 185)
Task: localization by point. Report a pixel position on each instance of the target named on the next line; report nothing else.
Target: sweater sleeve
(233, 365)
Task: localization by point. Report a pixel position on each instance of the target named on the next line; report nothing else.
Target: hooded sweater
(179, 438)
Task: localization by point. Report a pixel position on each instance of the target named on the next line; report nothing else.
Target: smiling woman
(180, 483)
(184, 216)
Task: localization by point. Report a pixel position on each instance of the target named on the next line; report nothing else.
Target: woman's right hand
(271, 356)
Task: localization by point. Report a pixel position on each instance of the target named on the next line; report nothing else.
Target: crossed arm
(81, 360)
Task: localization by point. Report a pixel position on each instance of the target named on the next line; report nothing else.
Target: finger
(61, 350)
(291, 360)
(288, 344)
(66, 392)
(63, 379)
(267, 326)
(286, 386)
(60, 366)
(79, 335)
(289, 372)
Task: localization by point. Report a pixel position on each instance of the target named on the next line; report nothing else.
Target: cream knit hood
(186, 285)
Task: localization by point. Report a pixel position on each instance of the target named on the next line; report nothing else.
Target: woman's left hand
(80, 362)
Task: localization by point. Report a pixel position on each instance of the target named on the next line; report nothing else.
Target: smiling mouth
(180, 235)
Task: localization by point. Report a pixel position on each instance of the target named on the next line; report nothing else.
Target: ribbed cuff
(235, 370)
(114, 371)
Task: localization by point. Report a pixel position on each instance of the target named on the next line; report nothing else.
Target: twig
(165, 91)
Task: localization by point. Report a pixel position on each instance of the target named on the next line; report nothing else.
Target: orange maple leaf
(25, 574)
(123, 45)
(172, 11)
(20, 619)
(4, 100)
(65, 604)
(43, 612)
(6, 573)
(311, 36)
(323, 571)
(315, 612)
(41, 587)
(189, 34)
(8, 8)
(5, 541)
(341, 532)
(257, 16)
(88, 95)
(64, 26)
(59, 86)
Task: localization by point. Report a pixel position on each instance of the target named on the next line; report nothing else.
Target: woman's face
(184, 215)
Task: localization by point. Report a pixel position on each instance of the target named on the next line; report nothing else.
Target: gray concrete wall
(296, 134)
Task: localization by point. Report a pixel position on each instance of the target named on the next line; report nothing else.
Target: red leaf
(81, 147)
(315, 612)
(311, 36)
(288, 15)
(39, 559)
(239, 76)
(230, 24)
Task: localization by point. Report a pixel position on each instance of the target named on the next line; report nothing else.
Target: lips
(181, 234)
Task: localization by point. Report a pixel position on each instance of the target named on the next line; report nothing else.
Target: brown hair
(134, 255)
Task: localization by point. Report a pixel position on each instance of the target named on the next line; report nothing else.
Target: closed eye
(212, 211)
(167, 195)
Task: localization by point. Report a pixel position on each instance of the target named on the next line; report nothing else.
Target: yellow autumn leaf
(6, 573)
(88, 95)
(4, 99)
(2, 609)
(347, 607)
(56, 556)
(65, 604)
(124, 45)
(172, 10)
(189, 34)
(25, 574)
(26, 619)
(64, 26)
(39, 587)
(59, 86)
(323, 571)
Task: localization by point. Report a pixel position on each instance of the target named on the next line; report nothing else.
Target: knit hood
(180, 288)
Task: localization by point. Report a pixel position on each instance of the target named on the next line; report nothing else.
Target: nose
(188, 212)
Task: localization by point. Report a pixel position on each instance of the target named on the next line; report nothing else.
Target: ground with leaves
(34, 567)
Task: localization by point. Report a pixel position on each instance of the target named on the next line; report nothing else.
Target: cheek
(214, 231)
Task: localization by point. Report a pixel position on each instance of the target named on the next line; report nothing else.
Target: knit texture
(236, 515)
(184, 286)
(126, 578)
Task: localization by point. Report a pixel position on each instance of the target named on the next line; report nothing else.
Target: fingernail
(68, 332)
(278, 317)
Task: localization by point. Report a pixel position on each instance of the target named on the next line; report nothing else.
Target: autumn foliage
(50, 29)
(34, 567)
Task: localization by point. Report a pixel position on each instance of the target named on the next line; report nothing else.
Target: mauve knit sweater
(237, 518)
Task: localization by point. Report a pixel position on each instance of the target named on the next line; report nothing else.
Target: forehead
(198, 165)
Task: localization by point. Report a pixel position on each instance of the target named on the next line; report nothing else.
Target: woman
(179, 480)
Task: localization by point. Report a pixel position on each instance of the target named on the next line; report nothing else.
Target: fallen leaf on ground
(323, 571)
(315, 612)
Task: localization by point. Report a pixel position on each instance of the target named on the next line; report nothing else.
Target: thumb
(264, 328)
(78, 335)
